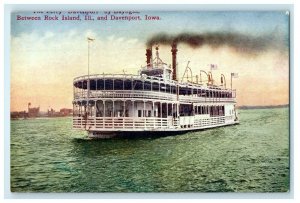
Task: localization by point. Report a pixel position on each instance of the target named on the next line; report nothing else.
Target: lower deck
(109, 125)
(110, 116)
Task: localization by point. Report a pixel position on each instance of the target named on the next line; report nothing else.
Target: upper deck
(155, 81)
(114, 86)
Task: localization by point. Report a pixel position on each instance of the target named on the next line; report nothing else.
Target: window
(127, 85)
(155, 86)
(147, 86)
(109, 84)
(138, 85)
(139, 113)
(100, 84)
(168, 88)
(173, 88)
(162, 87)
(118, 84)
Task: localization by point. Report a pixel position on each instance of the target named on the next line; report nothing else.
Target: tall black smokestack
(174, 60)
(148, 56)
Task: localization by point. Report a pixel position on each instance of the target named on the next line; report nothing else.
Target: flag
(213, 66)
(90, 39)
(234, 75)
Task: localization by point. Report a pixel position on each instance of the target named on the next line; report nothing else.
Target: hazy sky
(47, 55)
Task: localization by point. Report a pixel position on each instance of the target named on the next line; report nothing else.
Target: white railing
(100, 76)
(196, 99)
(126, 94)
(192, 122)
(98, 123)
(147, 95)
(209, 121)
(151, 79)
(147, 123)
(124, 76)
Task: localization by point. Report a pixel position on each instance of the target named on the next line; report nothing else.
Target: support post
(124, 111)
(104, 113)
(160, 115)
(113, 113)
(144, 113)
(133, 117)
(154, 121)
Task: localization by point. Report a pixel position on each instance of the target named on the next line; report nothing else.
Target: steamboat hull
(147, 133)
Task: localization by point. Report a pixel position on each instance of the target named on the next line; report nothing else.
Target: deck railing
(126, 94)
(147, 123)
(123, 77)
(148, 95)
(94, 123)
(151, 79)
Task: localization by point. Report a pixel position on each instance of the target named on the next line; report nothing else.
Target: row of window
(211, 110)
(147, 86)
(184, 110)
(188, 110)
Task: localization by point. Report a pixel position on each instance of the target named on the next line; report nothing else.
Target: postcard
(129, 101)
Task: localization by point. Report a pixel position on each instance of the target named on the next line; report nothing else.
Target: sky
(46, 55)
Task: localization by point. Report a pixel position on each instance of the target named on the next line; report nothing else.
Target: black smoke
(241, 43)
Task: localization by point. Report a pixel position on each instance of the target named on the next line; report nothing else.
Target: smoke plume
(241, 43)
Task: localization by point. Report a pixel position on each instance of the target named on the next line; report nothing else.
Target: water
(48, 156)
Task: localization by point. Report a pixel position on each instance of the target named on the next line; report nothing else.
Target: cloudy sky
(47, 55)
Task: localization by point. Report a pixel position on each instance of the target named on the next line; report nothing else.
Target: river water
(48, 156)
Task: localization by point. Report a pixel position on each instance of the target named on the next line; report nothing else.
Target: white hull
(105, 133)
(113, 127)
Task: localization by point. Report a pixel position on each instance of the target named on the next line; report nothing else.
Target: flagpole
(88, 80)
(88, 59)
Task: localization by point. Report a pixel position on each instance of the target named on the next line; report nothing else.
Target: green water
(48, 156)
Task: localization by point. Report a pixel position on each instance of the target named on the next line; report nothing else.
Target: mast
(87, 109)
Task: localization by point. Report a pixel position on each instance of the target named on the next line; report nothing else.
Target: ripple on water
(47, 156)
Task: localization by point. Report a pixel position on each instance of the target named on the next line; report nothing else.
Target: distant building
(18, 114)
(33, 112)
(65, 112)
(51, 113)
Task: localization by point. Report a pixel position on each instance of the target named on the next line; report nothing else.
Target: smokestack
(174, 55)
(148, 56)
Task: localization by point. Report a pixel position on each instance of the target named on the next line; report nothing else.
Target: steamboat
(152, 102)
